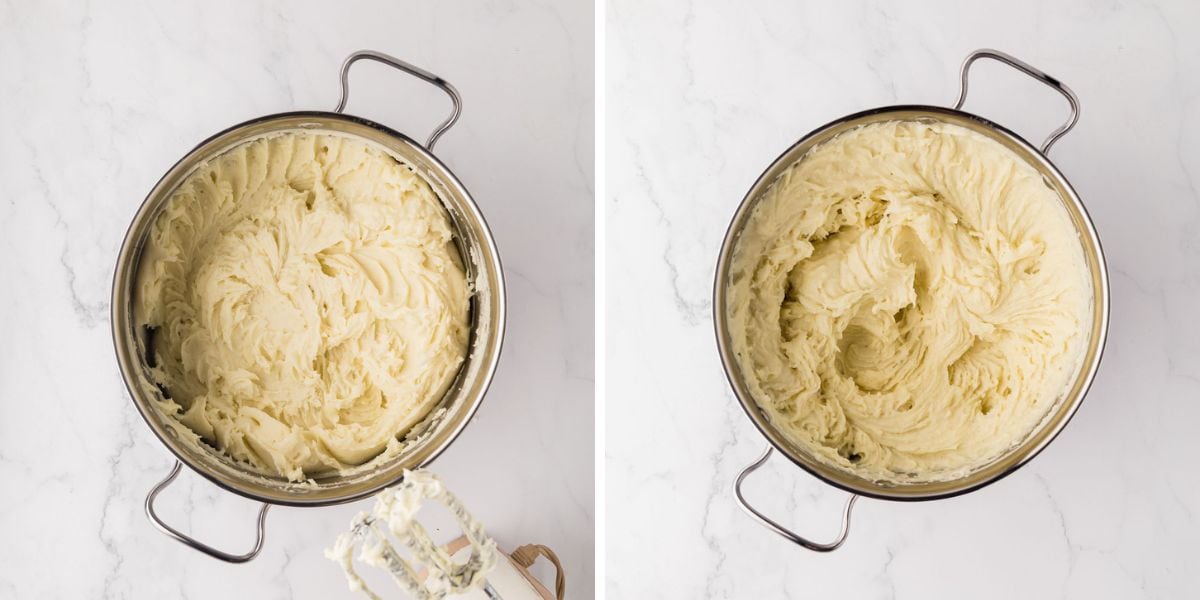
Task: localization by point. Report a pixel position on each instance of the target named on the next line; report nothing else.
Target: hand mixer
(395, 513)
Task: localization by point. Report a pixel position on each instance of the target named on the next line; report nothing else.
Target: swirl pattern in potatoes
(308, 303)
(908, 301)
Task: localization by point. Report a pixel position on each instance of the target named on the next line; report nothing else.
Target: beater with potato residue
(395, 513)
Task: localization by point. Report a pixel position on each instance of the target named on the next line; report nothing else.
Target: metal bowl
(429, 438)
(1059, 414)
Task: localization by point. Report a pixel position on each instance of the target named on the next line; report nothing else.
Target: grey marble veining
(100, 98)
(701, 97)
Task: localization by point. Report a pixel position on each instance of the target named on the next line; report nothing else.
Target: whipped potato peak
(308, 304)
(908, 301)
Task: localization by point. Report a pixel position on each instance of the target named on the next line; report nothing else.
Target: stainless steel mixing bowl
(1061, 412)
(445, 422)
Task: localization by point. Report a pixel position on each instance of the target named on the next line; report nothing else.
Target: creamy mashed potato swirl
(308, 303)
(908, 301)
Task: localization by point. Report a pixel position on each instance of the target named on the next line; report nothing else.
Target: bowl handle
(1031, 71)
(205, 548)
(780, 529)
(413, 70)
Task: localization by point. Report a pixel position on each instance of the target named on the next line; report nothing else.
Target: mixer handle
(1031, 71)
(413, 70)
(780, 529)
(198, 545)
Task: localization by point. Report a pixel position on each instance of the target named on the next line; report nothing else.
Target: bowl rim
(1049, 429)
(130, 250)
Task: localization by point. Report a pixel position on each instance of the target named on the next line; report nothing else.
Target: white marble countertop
(99, 99)
(702, 96)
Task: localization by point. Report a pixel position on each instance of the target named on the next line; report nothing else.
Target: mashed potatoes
(908, 301)
(307, 302)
